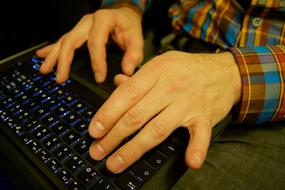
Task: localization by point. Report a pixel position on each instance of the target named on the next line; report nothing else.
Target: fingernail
(117, 163)
(98, 127)
(98, 77)
(98, 152)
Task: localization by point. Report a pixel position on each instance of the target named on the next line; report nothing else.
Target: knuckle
(133, 91)
(177, 86)
(91, 43)
(159, 129)
(100, 13)
(66, 39)
(86, 17)
(134, 116)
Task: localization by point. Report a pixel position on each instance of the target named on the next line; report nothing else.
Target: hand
(123, 24)
(175, 89)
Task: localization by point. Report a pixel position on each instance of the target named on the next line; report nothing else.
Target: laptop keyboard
(52, 121)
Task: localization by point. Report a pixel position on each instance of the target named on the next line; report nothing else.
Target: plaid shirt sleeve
(256, 36)
(262, 70)
(138, 5)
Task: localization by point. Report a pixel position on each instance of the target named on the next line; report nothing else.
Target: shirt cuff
(137, 5)
(262, 70)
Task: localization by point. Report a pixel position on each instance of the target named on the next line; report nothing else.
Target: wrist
(234, 74)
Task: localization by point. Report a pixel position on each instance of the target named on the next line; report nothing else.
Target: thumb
(200, 136)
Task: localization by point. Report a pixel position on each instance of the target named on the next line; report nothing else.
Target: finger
(200, 135)
(51, 59)
(72, 41)
(130, 122)
(122, 99)
(97, 41)
(43, 52)
(133, 55)
(150, 136)
(120, 79)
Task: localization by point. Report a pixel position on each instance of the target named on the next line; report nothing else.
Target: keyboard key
(60, 128)
(65, 176)
(49, 120)
(127, 181)
(61, 110)
(88, 114)
(82, 147)
(51, 142)
(69, 100)
(40, 112)
(10, 123)
(71, 137)
(168, 148)
(71, 118)
(103, 184)
(44, 155)
(15, 92)
(20, 129)
(75, 163)
(75, 185)
(54, 166)
(41, 132)
(142, 170)
(30, 105)
(42, 96)
(22, 98)
(35, 146)
(32, 124)
(28, 84)
(23, 117)
(82, 126)
(51, 103)
(6, 102)
(62, 153)
(156, 159)
(34, 91)
(43, 82)
(3, 115)
(26, 138)
(79, 107)
(88, 175)
(52, 87)
(59, 93)
(14, 109)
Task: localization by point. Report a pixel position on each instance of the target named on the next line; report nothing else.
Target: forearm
(262, 73)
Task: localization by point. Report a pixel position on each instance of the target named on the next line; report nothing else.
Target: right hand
(122, 24)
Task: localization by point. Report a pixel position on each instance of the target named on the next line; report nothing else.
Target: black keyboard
(52, 121)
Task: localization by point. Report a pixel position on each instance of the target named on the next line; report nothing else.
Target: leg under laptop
(242, 157)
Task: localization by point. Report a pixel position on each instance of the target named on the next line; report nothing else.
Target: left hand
(175, 89)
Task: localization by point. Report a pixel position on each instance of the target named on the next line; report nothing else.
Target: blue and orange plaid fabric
(256, 37)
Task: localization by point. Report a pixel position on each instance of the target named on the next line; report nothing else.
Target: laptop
(44, 139)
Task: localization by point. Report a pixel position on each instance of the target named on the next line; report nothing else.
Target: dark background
(27, 23)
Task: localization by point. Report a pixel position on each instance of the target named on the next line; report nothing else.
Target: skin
(175, 89)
